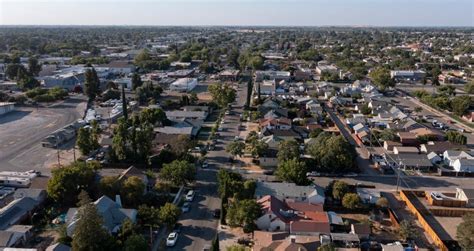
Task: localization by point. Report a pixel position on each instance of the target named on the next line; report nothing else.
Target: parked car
(313, 174)
(350, 175)
(190, 196)
(268, 172)
(172, 239)
(216, 213)
(186, 207)
(205, 164)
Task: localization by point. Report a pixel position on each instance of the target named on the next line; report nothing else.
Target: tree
(292, 170)
(339, 189)
(382, 202)
(222, 94)
(119, 141)
(288, 149)
(109, 186)
(28, 83)
(91, 85)
(66, 183)
(182, 145)
(460, 104)
(469, 88)
(132, 190)
(179, 172)
(147, 92)
(365, 109)
(235, 148)
(418, 109)
(244, 213)
(153, 116)
(332, 153)
(327, 247)
(465, 232)
(351, 201)
(12, 70)
(238, 248)
(124, 104)
(215, 243)
(381, 77)
(408, 230)
(257, 148)
(456, 137)
(136, 81)
(135, 242)
(142, 57)
(89, 233)
(447, 90)
(34, 67)
(86, 141)
(148, 215)
(169, 214)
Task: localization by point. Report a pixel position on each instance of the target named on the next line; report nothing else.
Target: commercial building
(407, 75)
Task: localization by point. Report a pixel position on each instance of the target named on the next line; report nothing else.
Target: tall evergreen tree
(124, 104)
(91, 85)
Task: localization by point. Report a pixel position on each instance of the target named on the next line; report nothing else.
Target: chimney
(292, 239)
(118, 200)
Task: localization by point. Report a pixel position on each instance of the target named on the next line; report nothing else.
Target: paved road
(21, 132)
(362, 153)
(198, 226)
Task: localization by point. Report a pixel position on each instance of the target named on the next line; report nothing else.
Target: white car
(172, 239)
(190, 196)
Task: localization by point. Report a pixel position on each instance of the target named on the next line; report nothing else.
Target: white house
(184, 84)
(450, 156)
(463, 165)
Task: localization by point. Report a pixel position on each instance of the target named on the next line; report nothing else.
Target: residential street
(198, 225)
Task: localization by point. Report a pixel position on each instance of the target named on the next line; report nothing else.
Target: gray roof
(36, 194)
(111, 212)
(13, 212)
(5, 238)
(285, 190)
(174, 130)
(186, 114)
(58, 247)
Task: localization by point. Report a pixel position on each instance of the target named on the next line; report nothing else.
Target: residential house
(15, 235)
(111, 211)
(17, 211)
(410, 160)
(362, 230)
(184, 84)
(367, 195)
(439, 147)
(272, 75)
(178, 115)
(58, 247)
(275, 123)
(450, 156)
(269, 158)
(229, 75)
(293, 217)
(135, 172)
(272, 141)
(465, 195)
(405, 149)
(283, 241)
(425, 132)
(408, 138)
(463, 165)
(434, 157)
(417, 75)
(290, 191)
(389, 145)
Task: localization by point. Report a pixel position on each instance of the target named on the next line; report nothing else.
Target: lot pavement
(22, 131)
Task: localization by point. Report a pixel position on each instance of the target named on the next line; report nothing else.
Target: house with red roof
(293, 217)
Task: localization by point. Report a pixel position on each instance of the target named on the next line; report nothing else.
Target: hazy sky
(239, 12)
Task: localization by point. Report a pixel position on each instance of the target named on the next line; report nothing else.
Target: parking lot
(21, 132)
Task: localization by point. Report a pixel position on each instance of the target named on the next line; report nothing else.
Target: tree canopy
(179, 172)
(292, 170)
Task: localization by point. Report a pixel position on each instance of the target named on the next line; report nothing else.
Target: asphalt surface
(22, 131)
(199, 227)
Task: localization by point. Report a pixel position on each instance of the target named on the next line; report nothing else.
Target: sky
(239, 12)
